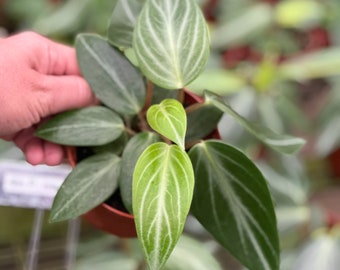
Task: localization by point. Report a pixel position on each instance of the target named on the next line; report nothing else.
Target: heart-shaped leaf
(279, 142)
(114, 80)
(132, 151)
(163, 183)
(169, 119)
(123, 22)
(89, 126)
(171, 42)
(89, 184)
(233, 203)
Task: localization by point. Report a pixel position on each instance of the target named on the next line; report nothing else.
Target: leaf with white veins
(89, 184)
(169, 119)
(163, 183)
(233, 203)
(171, 42)
(113, 79)
(88, 126)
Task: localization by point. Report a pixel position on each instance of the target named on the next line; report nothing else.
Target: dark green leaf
(163, 183)
(115, 147)
(132, 151)
(114, 80)
(233, 203)
(90, 183)
(202, 121)
(159, 94)
(279, 142)
(89, 126)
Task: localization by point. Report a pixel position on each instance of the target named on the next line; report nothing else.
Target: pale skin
(38, 78)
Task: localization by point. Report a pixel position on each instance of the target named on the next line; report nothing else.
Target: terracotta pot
(106, 218)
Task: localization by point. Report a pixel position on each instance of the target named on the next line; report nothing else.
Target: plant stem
(193, 107)
(130, 131)
(142, 123)
(180, 96)
(149, 94)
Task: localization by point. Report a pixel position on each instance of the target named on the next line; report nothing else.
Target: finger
(34, 151)
(61, 59)
(38, 151)
(47, 56)
(67, 92)
(53, 154)
(23, 137)
(31, 146)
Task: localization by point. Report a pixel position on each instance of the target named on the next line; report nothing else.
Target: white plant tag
(26, 186)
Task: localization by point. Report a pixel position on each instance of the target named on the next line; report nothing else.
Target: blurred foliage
(60, 19)
(23, 220)
(126, 255)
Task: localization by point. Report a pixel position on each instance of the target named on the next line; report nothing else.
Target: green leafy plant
(159, 152)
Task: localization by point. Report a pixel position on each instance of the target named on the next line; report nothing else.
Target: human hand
(38, 78)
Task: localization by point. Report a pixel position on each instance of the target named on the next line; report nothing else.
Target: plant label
(26, 186)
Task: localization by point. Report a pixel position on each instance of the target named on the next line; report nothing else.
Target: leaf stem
(142, 123)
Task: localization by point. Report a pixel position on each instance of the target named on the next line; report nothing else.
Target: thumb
(68, 92)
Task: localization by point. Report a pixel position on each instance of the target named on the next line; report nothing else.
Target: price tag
(27, 186)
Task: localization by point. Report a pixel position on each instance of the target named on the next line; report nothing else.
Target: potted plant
(146, 149)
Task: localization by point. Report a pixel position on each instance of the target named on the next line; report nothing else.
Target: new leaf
(169, 119)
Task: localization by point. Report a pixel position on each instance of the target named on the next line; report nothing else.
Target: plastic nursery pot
(104, 217)
(112, 220)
